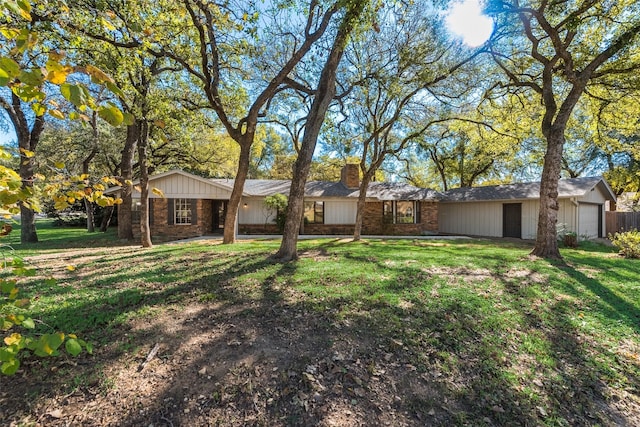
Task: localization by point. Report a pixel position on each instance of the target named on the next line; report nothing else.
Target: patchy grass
(369, 333)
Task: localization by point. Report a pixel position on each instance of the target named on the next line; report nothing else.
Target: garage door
(589, 219)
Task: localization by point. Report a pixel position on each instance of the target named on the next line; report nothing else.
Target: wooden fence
(622, 221)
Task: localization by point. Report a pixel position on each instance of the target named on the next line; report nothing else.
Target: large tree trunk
(145, 230)
(547, 240)
(28, 232)
(88, 205)
(362, 198)
(125, 228)
(231, 218)
(106, 219)
(324, 95)
(27, 140)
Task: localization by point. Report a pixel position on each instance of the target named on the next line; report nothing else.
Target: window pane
(182, 208)
(319, 213)
(387, 212)
(404, 212)
(309, 212)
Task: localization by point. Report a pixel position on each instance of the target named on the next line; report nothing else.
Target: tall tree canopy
(558, 50)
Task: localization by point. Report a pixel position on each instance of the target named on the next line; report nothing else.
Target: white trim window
(314, 212)
(400, 212)
(182, 211)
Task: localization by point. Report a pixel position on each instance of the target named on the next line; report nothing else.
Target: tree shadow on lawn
(568, 374)
(271, 356)
(615, 307)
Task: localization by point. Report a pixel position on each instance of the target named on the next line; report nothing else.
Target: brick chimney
(350, 176)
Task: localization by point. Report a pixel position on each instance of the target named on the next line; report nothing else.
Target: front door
(512, 220)
(219, 212)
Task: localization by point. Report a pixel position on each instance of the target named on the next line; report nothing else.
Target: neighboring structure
(512, 210)
(195, 206)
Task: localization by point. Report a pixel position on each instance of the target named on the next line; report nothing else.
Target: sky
(7, 134)
(465, 20)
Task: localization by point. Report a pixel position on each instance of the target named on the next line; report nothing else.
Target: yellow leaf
(27, 153)
(98, 74)
(13, 339)
(57, 114)
(157, 192)
(71, 268)
(59, 165)
(57, 77)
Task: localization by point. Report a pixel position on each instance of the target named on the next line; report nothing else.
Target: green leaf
(38, 109)
(33, 78)
(47, 345)
(114, 89)
(7, 286)
(4, 78)
(9, 66)
(28, 323)
(73, 347)
(111, 114)
(10, 367)
(75, 93)
(129, 119)
(7, 353)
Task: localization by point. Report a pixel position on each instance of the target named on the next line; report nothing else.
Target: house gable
(182, 185)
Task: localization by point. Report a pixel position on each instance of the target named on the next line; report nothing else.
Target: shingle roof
(574, 187)
(319, 189)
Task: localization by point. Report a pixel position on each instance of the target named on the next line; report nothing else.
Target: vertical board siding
(340, 212)
(588, 221)
(596, 196)
(179, 186)
(255, 212)
(485, 218)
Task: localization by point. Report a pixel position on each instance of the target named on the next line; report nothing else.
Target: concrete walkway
(318, 236)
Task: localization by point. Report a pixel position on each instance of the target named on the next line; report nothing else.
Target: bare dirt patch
(195, 363)
(205, 359)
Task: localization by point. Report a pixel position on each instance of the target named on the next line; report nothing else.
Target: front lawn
(425, 332)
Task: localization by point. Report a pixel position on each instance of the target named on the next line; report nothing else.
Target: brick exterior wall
(161, 231)
(258, 229)
(373, 223)
(350, 176)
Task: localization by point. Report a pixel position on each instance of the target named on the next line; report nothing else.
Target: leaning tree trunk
(324, 95)
(547, 240)
(125, 227)
(231, 218)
